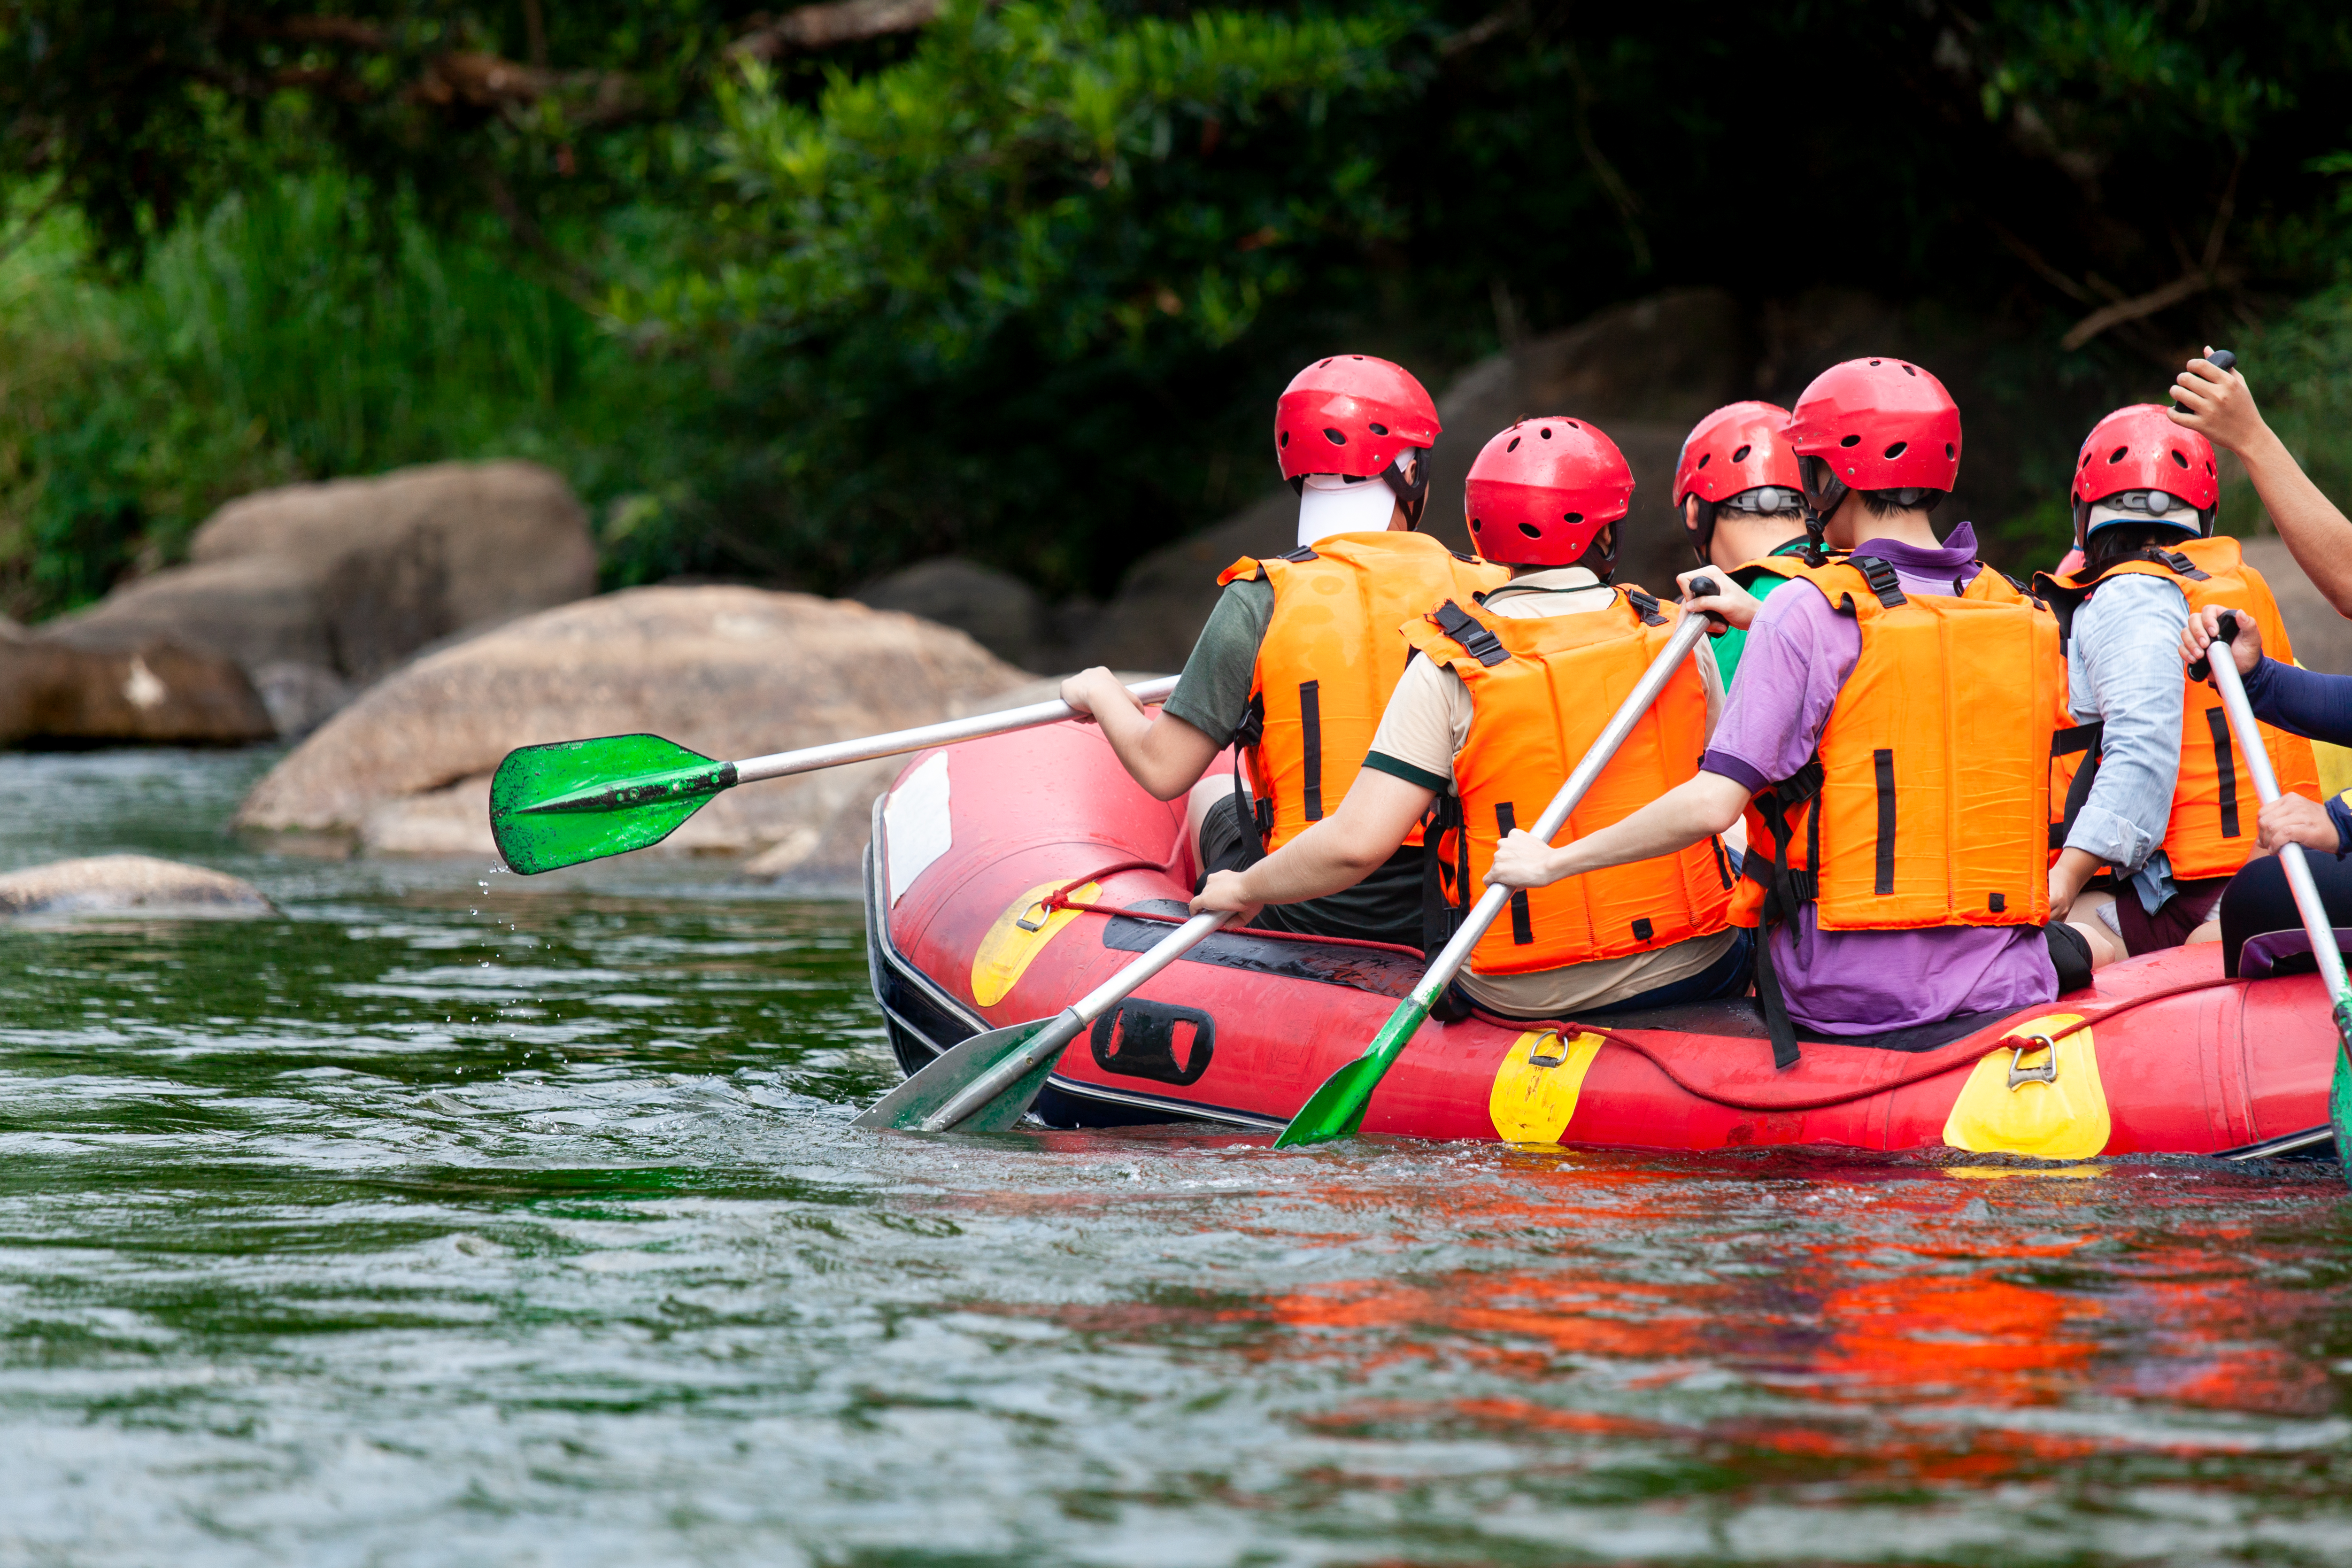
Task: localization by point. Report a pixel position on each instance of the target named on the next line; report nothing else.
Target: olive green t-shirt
(1212, 696)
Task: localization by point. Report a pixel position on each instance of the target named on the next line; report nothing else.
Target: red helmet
(1542, 491)
(1737, 448)
(1877, 425)
(2137, 460)
(1350, 413)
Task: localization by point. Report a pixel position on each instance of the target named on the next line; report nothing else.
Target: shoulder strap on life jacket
(1479, 642)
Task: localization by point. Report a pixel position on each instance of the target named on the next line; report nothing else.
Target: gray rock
(132, 885)
(995, 609)
(343, 581)
(731, 672)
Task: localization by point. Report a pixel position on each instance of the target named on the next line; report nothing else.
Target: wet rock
(731, 672)
(137, 885)
(154, 694)
(995, 609)
(315, 590)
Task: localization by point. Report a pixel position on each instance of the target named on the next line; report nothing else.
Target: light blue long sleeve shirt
(2123, 669)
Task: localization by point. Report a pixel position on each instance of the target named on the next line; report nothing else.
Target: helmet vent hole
(1544, 431)
(1286, 439)
(1571, 424)
(1895, 451)
(2178, 458)
(1571, 518)
(1908, 371)
(1514, 445)
(1335, 438)
(1475, 525)
(1531, 531)
(1950, 450)
(1739, 457)
(1851, 441)
(1710, 458)
(2118, 454)
(1379, 429)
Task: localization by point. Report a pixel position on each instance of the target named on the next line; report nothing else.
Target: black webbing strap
(1880, 578)
(1883, 763)
(1722, 861)
(1247, 735)
(1465, 628)
(1310, 740)
(1440, 915)
(1783, 894)
(1523, 929)
(1644, 606)
(2225, 758)
(2066, 743)
(2172, 560)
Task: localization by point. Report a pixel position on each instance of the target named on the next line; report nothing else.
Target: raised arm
(2318, 535)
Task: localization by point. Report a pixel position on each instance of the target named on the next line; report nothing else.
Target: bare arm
(1164, 754)
(2218, 402)
(1699, 805)
(1333, 855)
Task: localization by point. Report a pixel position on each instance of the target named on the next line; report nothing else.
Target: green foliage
(2298, 365)
(297, 332)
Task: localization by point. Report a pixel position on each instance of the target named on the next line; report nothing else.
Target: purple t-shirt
(1798, 657)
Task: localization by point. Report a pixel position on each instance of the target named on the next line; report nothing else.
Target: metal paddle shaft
(2316, 925)
(1337, 1110)
(989, 1082)
(575, 801)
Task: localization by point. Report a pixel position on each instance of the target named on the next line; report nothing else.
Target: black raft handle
(2203, 668)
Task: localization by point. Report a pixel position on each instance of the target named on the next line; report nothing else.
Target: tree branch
(807, 28)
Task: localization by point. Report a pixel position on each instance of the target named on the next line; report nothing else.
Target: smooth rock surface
(731, 672)
(995, 609)
(315, 590)
(154, 694)
(138, 885)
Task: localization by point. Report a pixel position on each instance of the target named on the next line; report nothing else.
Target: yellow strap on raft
(2041, 1099)
(1537, 1085)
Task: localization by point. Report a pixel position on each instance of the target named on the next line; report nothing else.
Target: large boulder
(130, 885)
(154, 693)
(316, 590)
(731, 672)
(995, 609)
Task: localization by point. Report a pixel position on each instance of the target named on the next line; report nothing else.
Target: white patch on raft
(915, 824)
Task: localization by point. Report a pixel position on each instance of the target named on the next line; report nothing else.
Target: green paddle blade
(908, 1106)
(581, 800)
(1337, 1110)
(2339, 1092)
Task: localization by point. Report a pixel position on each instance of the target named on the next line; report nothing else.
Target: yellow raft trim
(2045, 1103)
(1537, 1085)
(1010, 947)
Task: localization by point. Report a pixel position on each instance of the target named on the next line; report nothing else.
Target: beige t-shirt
(1425, 726)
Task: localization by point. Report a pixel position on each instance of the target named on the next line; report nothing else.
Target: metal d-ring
(2018, 1073)
(1535, 1058)
(1023, 919)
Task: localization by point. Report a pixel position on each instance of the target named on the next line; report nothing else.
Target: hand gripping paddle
(2307, 903)
(1337, 1110)
(571, 801)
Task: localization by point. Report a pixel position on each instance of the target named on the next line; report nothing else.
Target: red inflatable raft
(1009, 876)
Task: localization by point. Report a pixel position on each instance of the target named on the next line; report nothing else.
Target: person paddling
(1299, 655)
(1743, 508)
(1892, 730)
(1508, 694)
(2149, 782)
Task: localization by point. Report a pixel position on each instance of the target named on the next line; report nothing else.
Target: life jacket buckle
(1884, 586)
(1539, 1057)
(1465, 628)
(2019, 1073)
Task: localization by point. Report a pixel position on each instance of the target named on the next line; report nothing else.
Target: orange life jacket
(2211, 832)
(1926, 802)
(1541, 691)
(1330, 660)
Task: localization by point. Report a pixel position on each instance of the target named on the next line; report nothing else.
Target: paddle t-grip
(2226, 633)
(2222, 359)
(1702, 587)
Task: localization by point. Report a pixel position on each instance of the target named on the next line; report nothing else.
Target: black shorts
(1383, 907)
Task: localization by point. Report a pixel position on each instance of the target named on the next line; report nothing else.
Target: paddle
(561, 804)
(1337, 1110)
(2307, 903)
(988, 1083)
